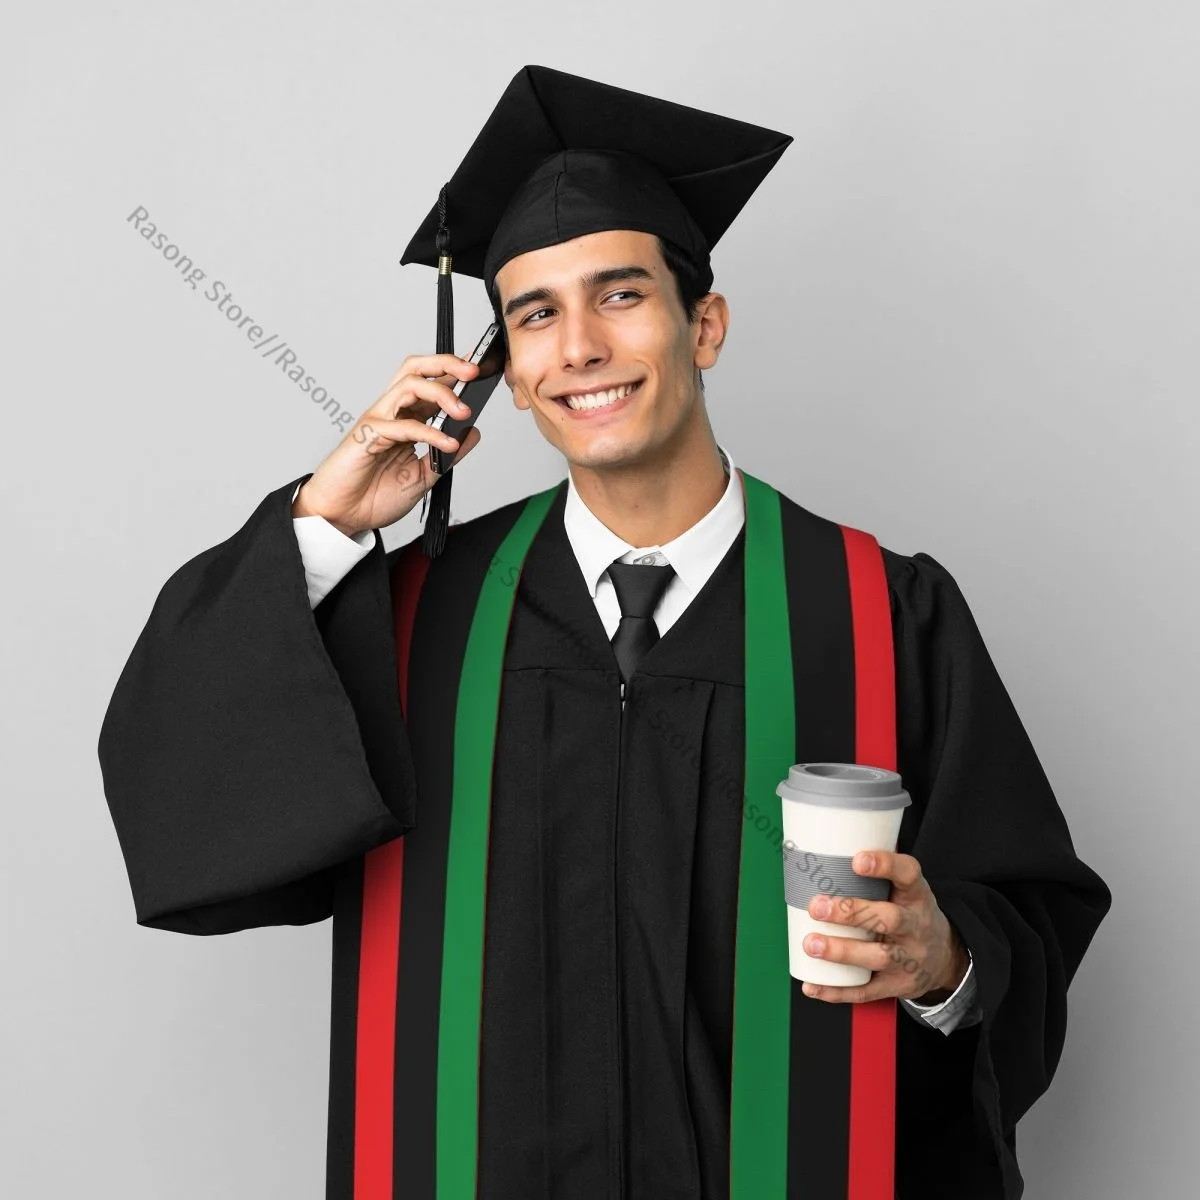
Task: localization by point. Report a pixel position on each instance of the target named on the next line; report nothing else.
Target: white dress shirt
(328, 556)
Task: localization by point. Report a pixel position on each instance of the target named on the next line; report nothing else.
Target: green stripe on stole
(759, 1102)
(758, 1141)
(475, 721)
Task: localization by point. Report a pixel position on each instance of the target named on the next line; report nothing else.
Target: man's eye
(611, 296)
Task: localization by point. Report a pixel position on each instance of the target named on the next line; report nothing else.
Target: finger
(902, 869)
(435, 366)
(421, 398)
(875, 990)
(901, 977)
(469, 444)
(382, 433)
(877, 916)
(891, 970)
(412, 472)
(872, 954)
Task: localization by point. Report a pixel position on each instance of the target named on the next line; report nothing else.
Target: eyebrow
(589, 282)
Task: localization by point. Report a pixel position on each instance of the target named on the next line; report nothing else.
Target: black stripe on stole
(441, 627)
(343, 1004)
(822, 637)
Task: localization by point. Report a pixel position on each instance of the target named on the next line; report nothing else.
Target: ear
(711, 330)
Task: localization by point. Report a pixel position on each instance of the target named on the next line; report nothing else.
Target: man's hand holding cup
(919, 956)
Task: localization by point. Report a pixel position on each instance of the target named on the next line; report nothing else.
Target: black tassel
(438, 520)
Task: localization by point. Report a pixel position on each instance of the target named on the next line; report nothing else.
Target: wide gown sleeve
(252, 744)
(994, 845)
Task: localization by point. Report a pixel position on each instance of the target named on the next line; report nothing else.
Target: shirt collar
(694, 554)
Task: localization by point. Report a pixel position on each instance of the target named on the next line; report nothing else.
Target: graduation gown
(256, 760)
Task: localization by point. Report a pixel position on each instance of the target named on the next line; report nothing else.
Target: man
(527, 771)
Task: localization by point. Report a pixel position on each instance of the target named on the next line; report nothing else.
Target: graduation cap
(562, 156)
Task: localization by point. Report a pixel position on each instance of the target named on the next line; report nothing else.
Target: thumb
(469, 444)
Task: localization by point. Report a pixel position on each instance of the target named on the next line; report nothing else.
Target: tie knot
(639, 588)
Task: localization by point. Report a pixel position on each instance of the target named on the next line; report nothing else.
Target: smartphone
(474, 393)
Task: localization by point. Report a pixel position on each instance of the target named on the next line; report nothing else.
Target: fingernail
(816, 945)
(864, 862)
(821, 906)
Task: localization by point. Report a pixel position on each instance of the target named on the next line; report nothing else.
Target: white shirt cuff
(327, 553)
(959, 1010)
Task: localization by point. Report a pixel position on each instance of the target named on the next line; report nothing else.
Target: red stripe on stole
(873, 1025)
(379, 957)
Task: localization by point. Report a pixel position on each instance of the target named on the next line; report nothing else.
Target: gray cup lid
(844, 785)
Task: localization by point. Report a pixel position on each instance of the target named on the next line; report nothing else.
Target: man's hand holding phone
(373, 477)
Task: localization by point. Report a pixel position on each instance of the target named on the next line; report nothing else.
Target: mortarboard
(561, 156)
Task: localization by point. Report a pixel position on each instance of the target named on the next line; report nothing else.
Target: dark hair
(689, 284)
(688, 281)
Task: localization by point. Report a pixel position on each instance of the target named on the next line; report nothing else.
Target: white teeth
(600, 399)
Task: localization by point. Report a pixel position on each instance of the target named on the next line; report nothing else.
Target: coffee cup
(831, 812)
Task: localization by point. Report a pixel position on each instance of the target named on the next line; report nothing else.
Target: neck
(651, 503)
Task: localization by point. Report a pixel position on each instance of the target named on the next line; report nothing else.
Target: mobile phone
(474, 393)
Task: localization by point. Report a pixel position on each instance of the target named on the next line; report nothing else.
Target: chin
(602, 452)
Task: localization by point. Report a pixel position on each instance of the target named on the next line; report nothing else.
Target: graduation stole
(812, 1109)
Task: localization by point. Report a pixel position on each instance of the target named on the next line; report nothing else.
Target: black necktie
(639, 589)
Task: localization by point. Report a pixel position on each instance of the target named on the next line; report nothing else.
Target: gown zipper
(623, 696)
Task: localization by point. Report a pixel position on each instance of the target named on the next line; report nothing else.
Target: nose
(582, 344)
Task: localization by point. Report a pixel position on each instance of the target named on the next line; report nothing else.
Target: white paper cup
(831, 811)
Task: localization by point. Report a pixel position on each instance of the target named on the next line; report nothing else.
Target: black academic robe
(254, 751)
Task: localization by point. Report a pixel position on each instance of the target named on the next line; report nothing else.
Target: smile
(594, 400)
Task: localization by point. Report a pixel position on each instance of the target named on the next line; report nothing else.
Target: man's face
(571, 333)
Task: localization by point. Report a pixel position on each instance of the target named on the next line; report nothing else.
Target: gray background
(963, 313)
